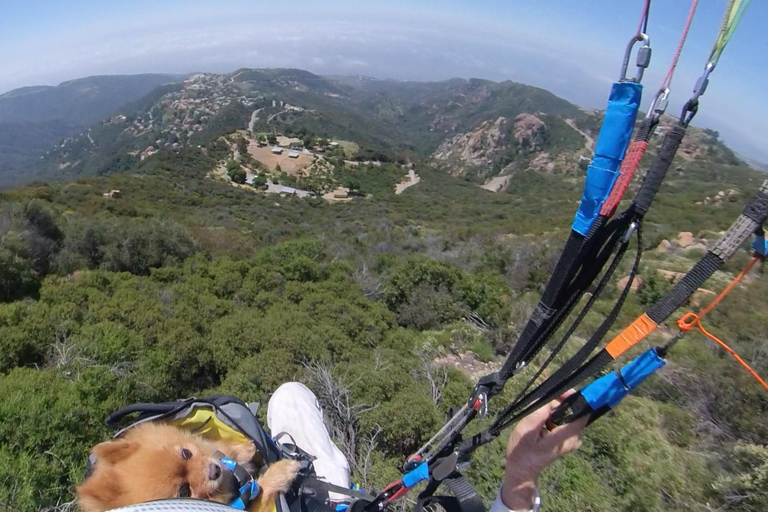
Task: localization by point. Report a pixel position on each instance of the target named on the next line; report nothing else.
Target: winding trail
(589, 142)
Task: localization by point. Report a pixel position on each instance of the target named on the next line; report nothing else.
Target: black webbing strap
(314, 483)
(643, 133)
(546, 306)
(595, 339)
(658, 169)
(465, 493)
(596, 255)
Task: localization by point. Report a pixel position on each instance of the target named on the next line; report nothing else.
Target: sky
(573, 48)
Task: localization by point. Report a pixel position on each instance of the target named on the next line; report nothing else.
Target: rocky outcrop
(637, 283)
(530, 132)
(485, 151)
(542, 162)
(477, 151)
(684, 239)
(722, 196)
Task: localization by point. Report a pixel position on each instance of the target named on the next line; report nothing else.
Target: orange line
(728, 288)
(689, 320)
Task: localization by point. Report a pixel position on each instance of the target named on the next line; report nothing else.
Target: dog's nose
(214, 471)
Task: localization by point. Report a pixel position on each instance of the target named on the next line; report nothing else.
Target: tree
(259, 180)
(237, 175)
(242, 146)
(307, 140)
(272, 138)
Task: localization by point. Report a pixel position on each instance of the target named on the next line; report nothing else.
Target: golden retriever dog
(155, 461)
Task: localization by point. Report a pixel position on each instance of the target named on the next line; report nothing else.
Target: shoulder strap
(146, 410)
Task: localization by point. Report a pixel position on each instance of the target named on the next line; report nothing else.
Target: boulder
(697, 247)
(665, 246)
(637, 283)
(671, 275)
(684, 239)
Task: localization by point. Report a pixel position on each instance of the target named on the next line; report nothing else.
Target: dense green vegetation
(185, 286)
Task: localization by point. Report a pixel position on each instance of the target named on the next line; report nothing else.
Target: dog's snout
(214, 471)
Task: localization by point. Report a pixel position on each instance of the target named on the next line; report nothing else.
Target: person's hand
(531, 448)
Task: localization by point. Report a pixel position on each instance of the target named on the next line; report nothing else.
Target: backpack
(225, 418)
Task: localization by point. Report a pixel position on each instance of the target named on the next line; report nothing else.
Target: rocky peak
(479, 148)
(530, 132)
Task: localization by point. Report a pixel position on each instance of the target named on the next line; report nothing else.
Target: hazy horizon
(545, 45)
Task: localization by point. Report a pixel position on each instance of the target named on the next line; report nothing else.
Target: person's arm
(531, 448)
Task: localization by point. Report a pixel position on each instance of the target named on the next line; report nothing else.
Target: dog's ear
(99, 491)
(113, 451)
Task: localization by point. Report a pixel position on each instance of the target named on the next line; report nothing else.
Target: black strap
(469, 500)
(144, 410)
(314, 483)
(595, 339)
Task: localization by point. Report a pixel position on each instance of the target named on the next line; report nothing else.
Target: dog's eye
(186, 454)
(184, 491)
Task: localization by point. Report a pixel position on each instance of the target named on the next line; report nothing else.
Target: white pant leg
(294, 409)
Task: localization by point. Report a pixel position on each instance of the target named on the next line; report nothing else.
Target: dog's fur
(146, 464)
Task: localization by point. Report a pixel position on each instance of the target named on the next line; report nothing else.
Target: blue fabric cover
(760, 245)
(610, 148)
(417, 475)
(609, 389)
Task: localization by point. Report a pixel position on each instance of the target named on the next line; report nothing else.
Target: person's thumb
(566, 438)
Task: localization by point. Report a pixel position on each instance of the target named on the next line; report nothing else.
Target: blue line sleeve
(612, 143)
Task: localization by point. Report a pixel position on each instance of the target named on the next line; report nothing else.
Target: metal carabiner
(643, 58)
(658, 106)
(692, 105)
(702, 82)
(630, 230)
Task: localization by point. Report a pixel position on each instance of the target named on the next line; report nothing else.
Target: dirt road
(589, 143)
(410, 180)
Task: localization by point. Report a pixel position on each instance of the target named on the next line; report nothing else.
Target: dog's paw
(279, 476)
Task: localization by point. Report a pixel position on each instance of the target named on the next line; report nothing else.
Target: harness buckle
(643, 58)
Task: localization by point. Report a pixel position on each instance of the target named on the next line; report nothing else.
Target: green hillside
(34, 119)
(184, 285)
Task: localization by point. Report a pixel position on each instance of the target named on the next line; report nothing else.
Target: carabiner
(630, 230)
(658, 106)
(643, 58)
(692, 105)
(703, 81)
